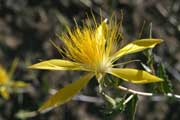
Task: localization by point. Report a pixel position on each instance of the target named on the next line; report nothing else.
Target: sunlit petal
(136, 46)
(4, 92)
(3, 76)
(134, 76)
(100, 34)
(66, 93)
(56, 64)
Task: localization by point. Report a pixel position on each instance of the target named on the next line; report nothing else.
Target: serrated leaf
(166, 86)
(131, 107)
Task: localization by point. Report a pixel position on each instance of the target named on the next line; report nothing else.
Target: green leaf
(112, 81)
(166, 86)
(131, 107)
(111, 111)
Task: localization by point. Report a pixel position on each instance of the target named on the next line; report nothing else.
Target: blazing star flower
(8, 85)
(3, 78)
(95, 50)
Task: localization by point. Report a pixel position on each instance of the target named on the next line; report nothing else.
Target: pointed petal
(56, 64)
(66, 93)
(134, 76)
(136, 46)
(101, 30)
(101, 34)
(4, 92)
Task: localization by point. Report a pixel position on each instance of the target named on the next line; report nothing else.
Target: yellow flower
(6, 84)
(3, 81)
(94, 50)
(3, 76)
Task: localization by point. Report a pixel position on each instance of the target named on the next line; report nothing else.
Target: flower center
(103, 66)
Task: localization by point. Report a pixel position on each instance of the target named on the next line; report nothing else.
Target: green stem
(106, 97)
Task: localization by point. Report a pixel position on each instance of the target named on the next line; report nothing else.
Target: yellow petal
(3, 76)
(134, 76)
(4, 92)
(20, 84)
(100, 34)
(56, 64)
(136, 46)
(66, 93)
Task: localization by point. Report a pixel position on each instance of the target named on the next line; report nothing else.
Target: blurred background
(27, 26)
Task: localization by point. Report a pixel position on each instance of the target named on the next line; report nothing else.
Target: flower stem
(147, 93)
(128, 99)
